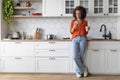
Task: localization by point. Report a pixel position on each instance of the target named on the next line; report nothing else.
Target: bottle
(24, 36)
(110, 35)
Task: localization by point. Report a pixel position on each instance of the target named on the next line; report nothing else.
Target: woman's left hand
(87, 28)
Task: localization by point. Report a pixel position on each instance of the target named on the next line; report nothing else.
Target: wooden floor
(14, 76)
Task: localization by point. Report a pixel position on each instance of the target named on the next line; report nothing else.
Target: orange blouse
(80, 28)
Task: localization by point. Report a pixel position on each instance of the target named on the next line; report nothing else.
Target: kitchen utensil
(37, 33)
(16, 35)
(50, 37)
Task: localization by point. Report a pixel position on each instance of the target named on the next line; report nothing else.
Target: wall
(57, 26)
(3, 25)
(60, 26)
(118, 27)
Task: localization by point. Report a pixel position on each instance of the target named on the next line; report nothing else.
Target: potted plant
(8, 11)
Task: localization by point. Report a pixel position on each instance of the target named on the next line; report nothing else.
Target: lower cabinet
(103, 58)
(112, 61)
(53, 65)
(104, 61)
(1, 65)
(19, 64)
(96, 61)
(56, 57)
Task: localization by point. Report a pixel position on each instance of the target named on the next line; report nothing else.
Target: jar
(28, 4)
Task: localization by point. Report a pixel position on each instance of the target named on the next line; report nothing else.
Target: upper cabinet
(58, 8)
(86, 4)
(105, 7)
(52, 8)
(68, 7)
(63, 7)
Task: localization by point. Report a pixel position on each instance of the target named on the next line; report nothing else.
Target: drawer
(52, 52)
(103, 45)
(53, 65)
(52, 45)
(18, 49)
(19, 64)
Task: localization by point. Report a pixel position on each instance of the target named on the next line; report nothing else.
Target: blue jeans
(78, 46)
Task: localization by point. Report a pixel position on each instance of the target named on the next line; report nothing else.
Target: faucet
(105, 30)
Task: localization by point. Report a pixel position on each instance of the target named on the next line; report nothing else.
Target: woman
(79, 29)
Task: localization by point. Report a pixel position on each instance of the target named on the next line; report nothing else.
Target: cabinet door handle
(52, 50)
(52, 58)
(96, 50)
(18, 58)
(113, 50)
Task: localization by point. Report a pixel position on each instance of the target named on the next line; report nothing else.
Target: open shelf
(30, 0)
(24, 8)
(21, 16)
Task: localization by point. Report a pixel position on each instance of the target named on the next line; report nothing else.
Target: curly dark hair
(82, 10)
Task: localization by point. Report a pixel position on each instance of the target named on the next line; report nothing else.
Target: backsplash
(59, 26)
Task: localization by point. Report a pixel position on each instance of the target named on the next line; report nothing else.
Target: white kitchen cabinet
(58, 7)
(52, 52)
(105, 7)
(68, 7)
(18, 48)
(1, 64)
(112, 61)
(19, 64)
(103, 58)
(96, 61)
(52, 57)
(52, 8)
(72, 63)
(52, 45)
(0, 49)
(53, 65)
(86, 4)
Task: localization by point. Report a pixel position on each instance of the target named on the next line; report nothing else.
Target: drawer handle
(52, 58)
(51, 42)
(113, 50)
(18, 42)
(18, 58)
(96, 50)
(52, 50)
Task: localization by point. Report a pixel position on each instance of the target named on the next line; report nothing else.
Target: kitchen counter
(57, 40)
(103, 40)
(35, 40)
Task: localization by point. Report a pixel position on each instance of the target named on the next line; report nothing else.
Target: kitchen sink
(101, 39)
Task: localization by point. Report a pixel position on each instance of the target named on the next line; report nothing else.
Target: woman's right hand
(75, 24)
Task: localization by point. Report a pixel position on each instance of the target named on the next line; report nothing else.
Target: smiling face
(78, 14)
